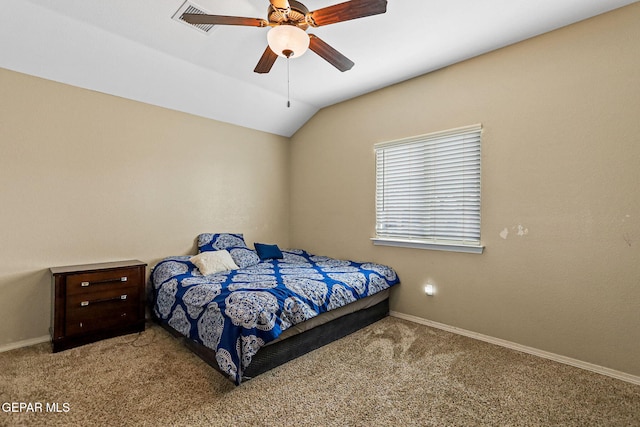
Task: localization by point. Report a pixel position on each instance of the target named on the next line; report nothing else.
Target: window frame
(425, 142)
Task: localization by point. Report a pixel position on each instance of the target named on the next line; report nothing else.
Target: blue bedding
(237, 312)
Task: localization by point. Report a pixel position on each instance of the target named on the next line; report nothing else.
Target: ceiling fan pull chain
(288, 95)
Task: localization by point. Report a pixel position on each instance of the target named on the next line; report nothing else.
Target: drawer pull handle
(99, 282)
(118, 298)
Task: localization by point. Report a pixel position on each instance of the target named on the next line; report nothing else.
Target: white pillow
(213, 262)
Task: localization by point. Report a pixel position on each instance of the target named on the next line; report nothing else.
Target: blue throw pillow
(268, 251)
(234, 243)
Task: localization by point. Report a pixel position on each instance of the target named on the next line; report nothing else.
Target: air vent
(189, 7)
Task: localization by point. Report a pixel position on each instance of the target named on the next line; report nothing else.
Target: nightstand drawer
(97, 299)
(100, 280)
(100, 314)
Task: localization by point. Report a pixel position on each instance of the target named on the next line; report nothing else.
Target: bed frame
(280, 352)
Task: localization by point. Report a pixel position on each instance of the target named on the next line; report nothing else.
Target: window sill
(415, 244)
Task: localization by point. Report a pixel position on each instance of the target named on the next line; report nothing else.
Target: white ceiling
(133, 49)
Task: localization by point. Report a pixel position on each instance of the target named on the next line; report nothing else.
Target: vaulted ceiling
(134, 49)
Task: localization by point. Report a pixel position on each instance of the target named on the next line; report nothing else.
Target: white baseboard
(518, 347)
(24, 343)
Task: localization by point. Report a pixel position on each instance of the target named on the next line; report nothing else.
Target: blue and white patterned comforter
(237, 312)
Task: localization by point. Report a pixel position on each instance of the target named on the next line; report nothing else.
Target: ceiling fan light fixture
(288, 41)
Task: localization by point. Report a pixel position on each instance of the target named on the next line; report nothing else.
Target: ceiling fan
(289, 21)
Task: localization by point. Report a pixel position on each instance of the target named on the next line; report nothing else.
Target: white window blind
(428, 189)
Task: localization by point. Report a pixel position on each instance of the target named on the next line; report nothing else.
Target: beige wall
(86, 177)
(561, 163)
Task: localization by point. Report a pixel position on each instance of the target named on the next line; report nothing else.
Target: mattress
(328, 316)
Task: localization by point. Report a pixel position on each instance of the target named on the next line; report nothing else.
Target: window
(428, 191)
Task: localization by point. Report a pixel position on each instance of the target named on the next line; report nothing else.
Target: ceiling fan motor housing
(296, 15)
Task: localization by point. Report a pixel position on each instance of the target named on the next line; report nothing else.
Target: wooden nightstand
(91, 302)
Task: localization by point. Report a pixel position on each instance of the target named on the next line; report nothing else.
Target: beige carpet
(393, 373)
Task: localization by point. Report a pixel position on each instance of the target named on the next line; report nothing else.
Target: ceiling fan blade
(346, 11)
(266, 61)
(280, 4)
(329, 54)
(197, 18)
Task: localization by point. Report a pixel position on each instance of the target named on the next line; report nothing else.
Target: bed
(249, 311)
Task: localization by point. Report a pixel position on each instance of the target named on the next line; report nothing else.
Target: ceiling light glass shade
(288, 38)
